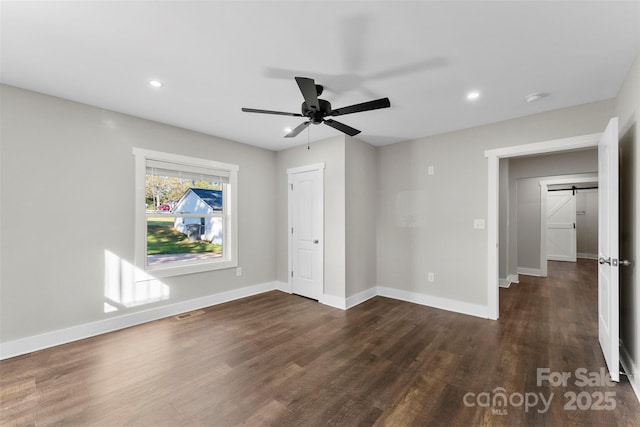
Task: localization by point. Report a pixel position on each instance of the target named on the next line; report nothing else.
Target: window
(186, 214)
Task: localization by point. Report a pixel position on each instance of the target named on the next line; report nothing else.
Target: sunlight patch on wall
(108, 308)
(127, 286)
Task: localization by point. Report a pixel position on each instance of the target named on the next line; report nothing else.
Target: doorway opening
(608, 229)
(493, 226)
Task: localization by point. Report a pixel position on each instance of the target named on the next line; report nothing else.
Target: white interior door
(608, 308)
(561, 226)
(306, 222)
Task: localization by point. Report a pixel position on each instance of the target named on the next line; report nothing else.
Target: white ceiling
(215, 57)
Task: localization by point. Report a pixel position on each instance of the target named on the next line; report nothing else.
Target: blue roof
(211, 197)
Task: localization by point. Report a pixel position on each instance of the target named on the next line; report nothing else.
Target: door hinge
(291, 230)
(291, 273)
(574, 225)
(291, 187)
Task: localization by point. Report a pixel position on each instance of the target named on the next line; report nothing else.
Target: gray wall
(528, 230)
(627, 109)
(67, 176)
(350, 212)
(426, 222)
(332, 152)
(361, 215)
(503, 214)
(587, 223)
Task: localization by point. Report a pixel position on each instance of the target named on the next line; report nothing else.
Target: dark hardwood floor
(282, 360)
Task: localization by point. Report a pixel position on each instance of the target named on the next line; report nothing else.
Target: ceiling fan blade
(308, 88)
(280, 113)
(297, 130)
(365, 106)
(342, 127)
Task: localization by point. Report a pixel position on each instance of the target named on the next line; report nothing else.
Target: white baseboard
(587, 256)
(283, 286)
(630, 369)
(337, 302)
(62, 336)
(435, 302)
(414, 297)
(530, 271)
(361, 297)
(333, 301)
(505, 283)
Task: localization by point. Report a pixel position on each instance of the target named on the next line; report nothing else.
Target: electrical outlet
(238, 271)
(431, 277)
(430, 170)
(478, 224)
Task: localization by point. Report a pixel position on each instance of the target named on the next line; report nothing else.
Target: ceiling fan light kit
(317, 110)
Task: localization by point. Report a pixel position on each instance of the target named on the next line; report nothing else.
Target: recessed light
(473, 95)
(536, 96)
(155, 83)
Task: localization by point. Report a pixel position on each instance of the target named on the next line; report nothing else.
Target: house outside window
(206, 228)
(186, 214)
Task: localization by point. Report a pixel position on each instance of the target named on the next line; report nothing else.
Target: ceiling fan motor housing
(316, 116)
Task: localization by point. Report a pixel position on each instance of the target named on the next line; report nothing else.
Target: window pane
(163, 193)
(183, 239)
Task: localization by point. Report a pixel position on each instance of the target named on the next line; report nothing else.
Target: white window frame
(229, 258)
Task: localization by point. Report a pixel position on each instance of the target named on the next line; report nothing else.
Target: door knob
(316, 241)
(603, 261)
(625, 263)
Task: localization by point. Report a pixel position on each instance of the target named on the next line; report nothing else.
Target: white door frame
(493, 157)
(291, 171)
(544, 187)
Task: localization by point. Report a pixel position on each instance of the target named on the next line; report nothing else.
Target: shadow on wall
(628, 213)
(125, 285)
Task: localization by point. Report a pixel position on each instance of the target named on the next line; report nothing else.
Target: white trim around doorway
(493, 158)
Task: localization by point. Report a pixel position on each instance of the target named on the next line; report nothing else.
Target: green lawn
(162, 238)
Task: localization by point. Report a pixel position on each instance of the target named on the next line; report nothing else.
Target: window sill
(179, 269)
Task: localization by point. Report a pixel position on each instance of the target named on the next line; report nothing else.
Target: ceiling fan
(316, 109)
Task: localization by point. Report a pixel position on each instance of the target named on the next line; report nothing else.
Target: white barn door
(561, 226)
